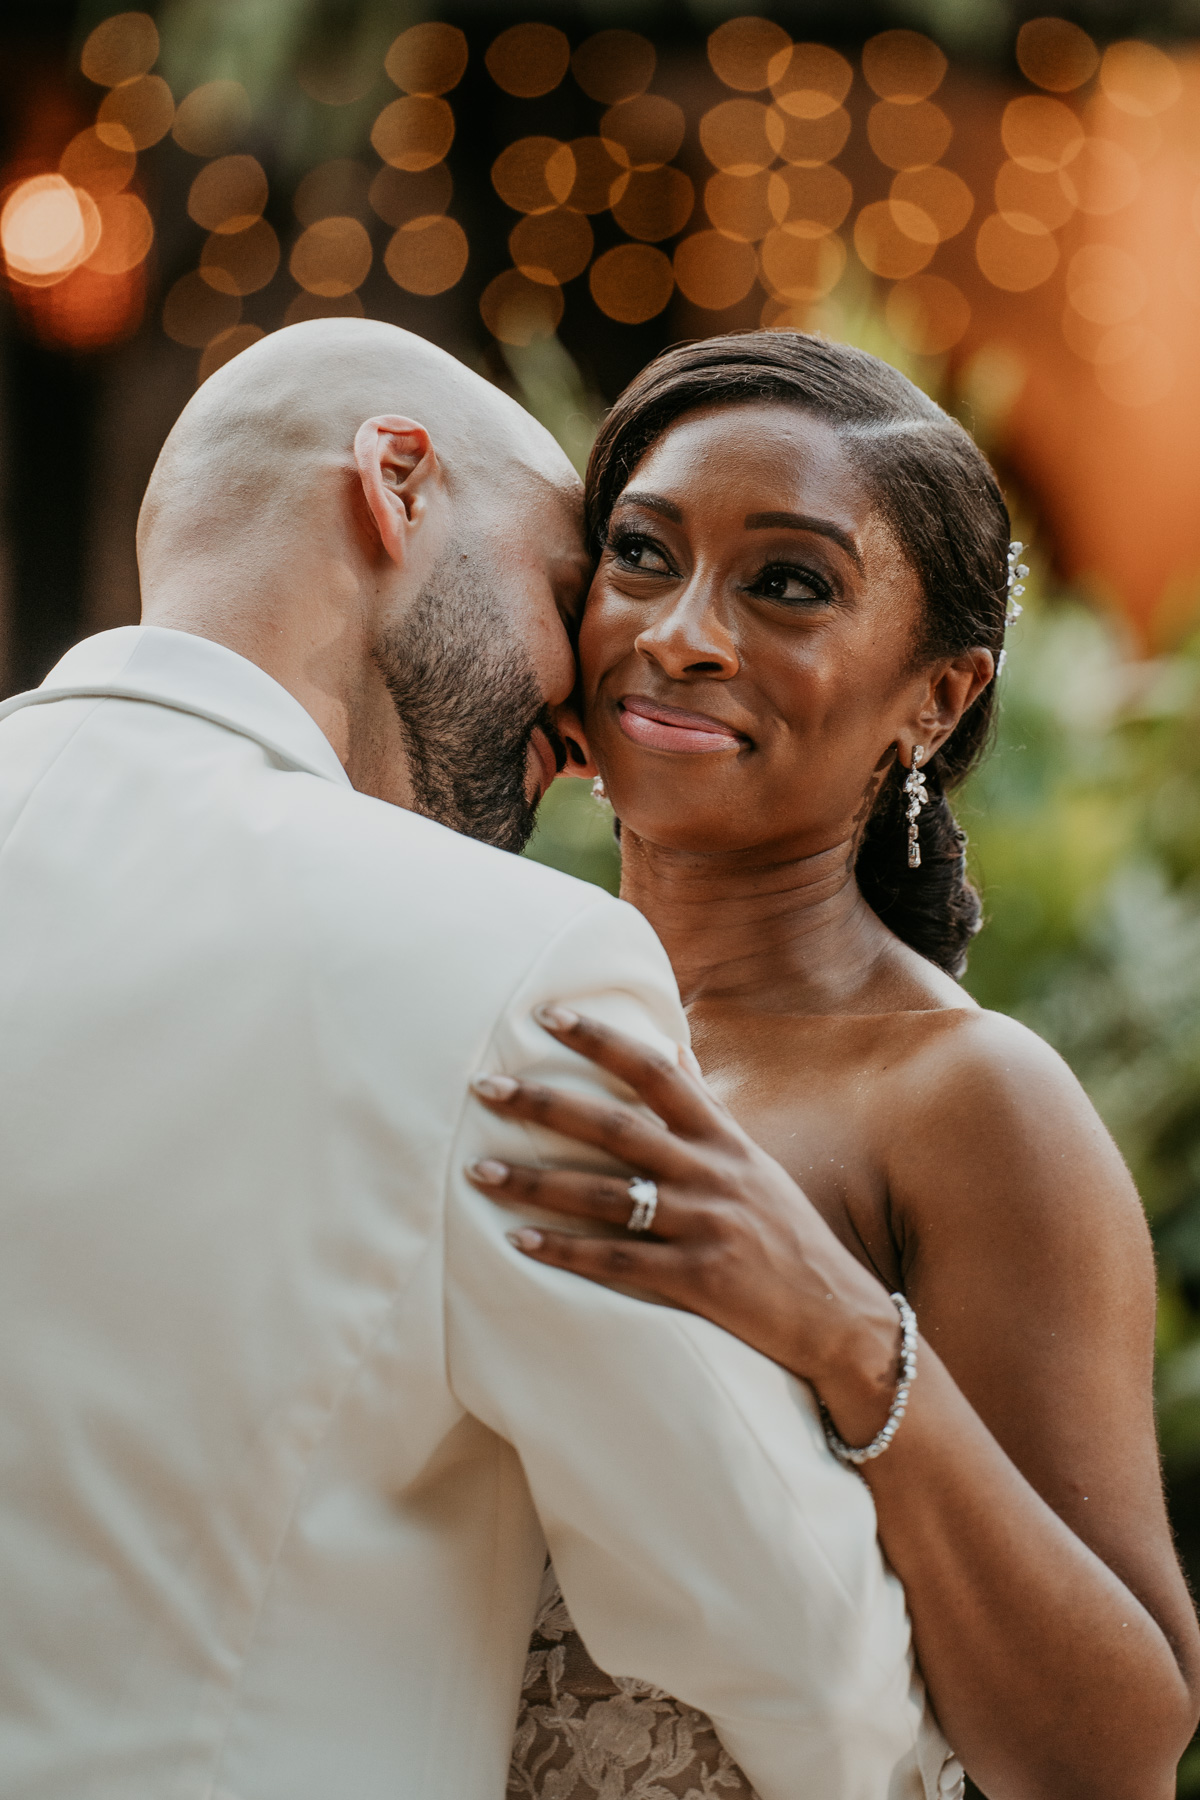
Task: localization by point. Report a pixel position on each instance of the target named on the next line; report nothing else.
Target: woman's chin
(700, 831)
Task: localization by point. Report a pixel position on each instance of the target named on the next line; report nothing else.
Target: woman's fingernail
(526, 1238)
(495, 1087)
(558, 1018)
(491, 1174)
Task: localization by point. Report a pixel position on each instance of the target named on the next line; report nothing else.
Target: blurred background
(1005, 204)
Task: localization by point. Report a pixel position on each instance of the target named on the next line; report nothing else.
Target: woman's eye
(792, 586)
(639, 553)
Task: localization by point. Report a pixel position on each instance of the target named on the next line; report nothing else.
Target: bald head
(355, 511)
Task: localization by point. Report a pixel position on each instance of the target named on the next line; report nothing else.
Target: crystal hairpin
(1017, 571)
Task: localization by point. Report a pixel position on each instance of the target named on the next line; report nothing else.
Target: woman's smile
(656, 726)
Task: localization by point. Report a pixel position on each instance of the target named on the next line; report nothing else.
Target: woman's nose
(688, 640)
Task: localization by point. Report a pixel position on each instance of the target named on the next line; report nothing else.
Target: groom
(286, 1425)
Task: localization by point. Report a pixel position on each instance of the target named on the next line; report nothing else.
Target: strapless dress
(584, 1735)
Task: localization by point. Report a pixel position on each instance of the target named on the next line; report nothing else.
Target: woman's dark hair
(944, 505)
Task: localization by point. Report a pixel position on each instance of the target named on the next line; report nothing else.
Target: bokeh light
(241, 262)
(903, 66)
(428, 60)
(225, 346)
(908, 134)
(939, 194)
(342, 185)
(715, 271)
(427, 255)
(742, 52)
(807, 142)
(517, 310)
(397, 195)
(120, 49)
(213, 119)
(614, 65)
(1102, 177)
(1105, 284)
(1015, 253)
(552, 247)
(928, 314)
(1033, 195)
(894, 240)
(332, 257)
(229, 194)
(1039, 133)
(655, 204)
(645, 132)
(535, 174)
(801, 268)
(529, 60)
(809, 202)
(136, 114)
(126, 234)
(739, 205)
(194, 313)
(741, 136)
(1139, 78)
(598, 181)
(631, 283)
(810, 81)
(88, 162)
(414, 132)
(47, 228)
(1054, 54)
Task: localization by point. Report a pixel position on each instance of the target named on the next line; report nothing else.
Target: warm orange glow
(599, 180)
(120, 48)
(414, 133)
(645, 133)
(741, 136)
(1036, 196)
(942, 197)
(136, 114)
(229, 194)
(552, 247)
(47, 228)
(1101, 178)
(213, 118)
(528, 60)
(88, 162)
(428, 59)
(614, 65)
(225, 346)
(323, 306)
(715, 271)
(741, 52)
(1016, 253)
(126, 234)
(332, 257)
(893, 240)
(1139, 78)
(194, 313)
(1039, 133)
(808, 142)
(86, 311)
(1134, 368)
(809, 202)
(927, 314)
(535, 174)
(810, 81)
(656, 204)
(427, 256)
(1055, 54)
(904, 66)
(909, 135)
(739, 205)
(242, 263)
(517, 310)
(632, 283)
(1105, 285)
(397, 196)
(801, 268)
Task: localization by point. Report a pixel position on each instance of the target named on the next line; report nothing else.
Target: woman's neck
(790, 933)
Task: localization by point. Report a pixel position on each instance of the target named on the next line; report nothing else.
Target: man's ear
(399, 470)
(579, 754)
(952, 687)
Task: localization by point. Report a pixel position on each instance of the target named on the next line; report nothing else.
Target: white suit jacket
(286, 1425)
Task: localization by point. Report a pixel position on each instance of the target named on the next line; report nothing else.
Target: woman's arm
(1020, 1502)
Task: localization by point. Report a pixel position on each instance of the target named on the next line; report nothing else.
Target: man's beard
(468, 702)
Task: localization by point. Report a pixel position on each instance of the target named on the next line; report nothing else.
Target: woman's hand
(734, 1239)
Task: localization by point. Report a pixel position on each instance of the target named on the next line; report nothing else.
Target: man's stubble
(468, 701)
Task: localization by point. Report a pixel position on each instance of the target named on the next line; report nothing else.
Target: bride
(788, 657)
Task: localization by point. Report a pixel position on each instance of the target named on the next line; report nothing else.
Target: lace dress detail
(583, 1734)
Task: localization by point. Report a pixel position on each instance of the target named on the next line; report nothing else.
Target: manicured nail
(495, 1087)
(526, 1238)
(558, 1018)
(491, 1174)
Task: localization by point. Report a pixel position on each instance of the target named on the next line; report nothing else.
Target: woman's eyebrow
(652, 503)
(771, 521)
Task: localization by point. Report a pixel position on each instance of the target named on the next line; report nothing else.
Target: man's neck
(773, 933)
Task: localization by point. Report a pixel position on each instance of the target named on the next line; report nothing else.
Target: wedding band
(644, 1194)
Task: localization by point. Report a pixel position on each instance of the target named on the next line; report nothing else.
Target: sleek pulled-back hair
(944, 505)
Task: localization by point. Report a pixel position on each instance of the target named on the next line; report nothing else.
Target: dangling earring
(914, 787)
(599, 791)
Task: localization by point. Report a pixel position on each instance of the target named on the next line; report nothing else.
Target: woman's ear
(399, 471)
(953, 685)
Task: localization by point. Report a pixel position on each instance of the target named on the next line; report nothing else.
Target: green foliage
(575, 833)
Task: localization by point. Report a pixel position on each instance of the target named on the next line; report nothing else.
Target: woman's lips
(658, 727)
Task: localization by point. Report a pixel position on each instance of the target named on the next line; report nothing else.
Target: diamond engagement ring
(644, 1194)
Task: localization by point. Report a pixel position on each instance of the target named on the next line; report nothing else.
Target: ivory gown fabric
(286, 1425)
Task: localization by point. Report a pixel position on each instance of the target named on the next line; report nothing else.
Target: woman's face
(747, 647)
